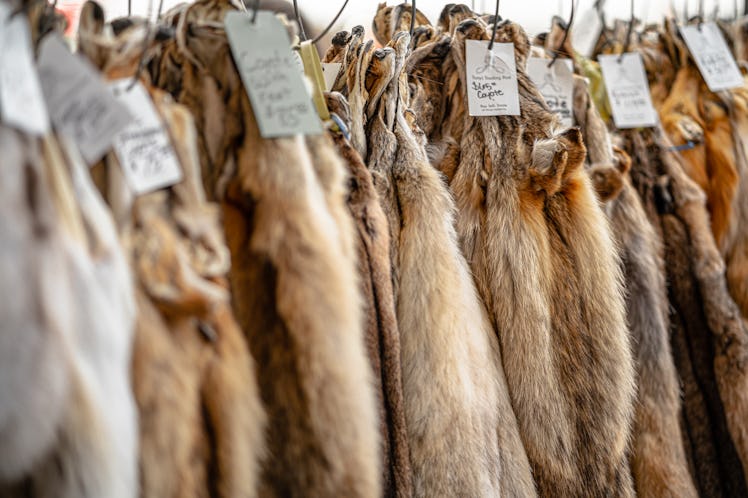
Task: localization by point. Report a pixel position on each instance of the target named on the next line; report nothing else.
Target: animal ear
(548, 161)
(574, 143)
(381, 6)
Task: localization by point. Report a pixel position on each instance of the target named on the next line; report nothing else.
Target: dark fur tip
(357, 30)
(96, 11)
(460, 8)
(341, 38)
(466, 25)
(165, 33)
(573, 135)
(560, 22)
(121, 24)
(442, 47)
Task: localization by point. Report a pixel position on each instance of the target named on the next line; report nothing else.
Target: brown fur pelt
(528, 220)
(658, 460)
(381, 332)
(390, 20)
(463, 435)
(708, 336)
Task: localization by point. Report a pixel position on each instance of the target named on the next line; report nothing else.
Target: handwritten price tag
(79, 102)
(143, 147)
(712, 56)
(556, 84)
(21, 100)
(628, 90)
(491, 78)
(280, 100)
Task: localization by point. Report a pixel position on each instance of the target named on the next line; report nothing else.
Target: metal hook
(412, 17)
(628, 34)
(495, 25)
(558, 51)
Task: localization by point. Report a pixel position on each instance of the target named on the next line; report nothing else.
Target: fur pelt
(463, 436)
(658, 460)
(381, 332)
(37, 318)
(528, 221)
(94, 449)
(707, 335)
(393, 19)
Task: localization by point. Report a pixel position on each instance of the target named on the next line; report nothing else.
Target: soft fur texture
(658, 460)
(94, 452)
(702, 318)
(529, 221)
(380, 330)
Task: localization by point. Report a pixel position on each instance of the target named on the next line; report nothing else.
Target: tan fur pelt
(463, 435)
(296, 296)
(381, 332)
(528, 220)
(658, 460)
(390, 20)
(708, 335)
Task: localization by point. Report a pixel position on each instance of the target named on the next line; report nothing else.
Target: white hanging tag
(586, 32)
(712, 56)
(21, 101)
(79, 102)
(330, 71)
(270, 73)
(491, 79)
(143, 148)
(556, 84)
(628, 90)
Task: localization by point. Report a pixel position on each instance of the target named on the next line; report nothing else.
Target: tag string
(495, 25)
(628, 34)
(560, 47)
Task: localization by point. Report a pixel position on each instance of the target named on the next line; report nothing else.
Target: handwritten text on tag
(491, 79)
(713, 57)
(21, 100)
(280, 100)
(143, 148)
(556, 84)
(628, 90)
(79, 103)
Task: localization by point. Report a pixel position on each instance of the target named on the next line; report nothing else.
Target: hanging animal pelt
(381, 332)
(658, 461)
(529, 223)
(462, 433)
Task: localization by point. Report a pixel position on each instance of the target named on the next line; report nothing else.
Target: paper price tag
(556, 84)
(143, 148)
(79, 102)
(586, 32)
(712, 56)
(21, 101)
(330, 71)
(491, 79)
(628, 90)
(270, 74)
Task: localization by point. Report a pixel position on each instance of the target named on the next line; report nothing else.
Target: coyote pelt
(529, 224)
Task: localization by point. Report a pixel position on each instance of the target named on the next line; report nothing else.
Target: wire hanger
(495, 25)
(302, 33)
(629, 30)
(560, 48)
(412, 17)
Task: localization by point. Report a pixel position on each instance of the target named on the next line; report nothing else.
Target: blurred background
(533, 15)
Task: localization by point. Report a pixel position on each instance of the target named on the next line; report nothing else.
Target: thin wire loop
(628, 34)
(495, 25)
